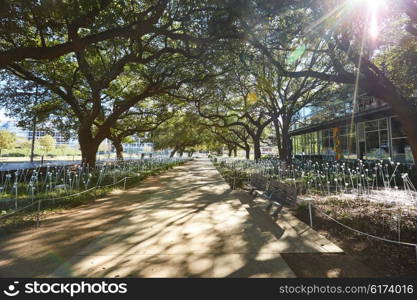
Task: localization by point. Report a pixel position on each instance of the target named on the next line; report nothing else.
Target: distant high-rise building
(59, 137)
(138, 146)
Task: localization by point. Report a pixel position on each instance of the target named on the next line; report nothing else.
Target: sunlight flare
(374, 8)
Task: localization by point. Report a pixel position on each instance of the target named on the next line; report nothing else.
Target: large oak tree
(171, 47)
(339, 29)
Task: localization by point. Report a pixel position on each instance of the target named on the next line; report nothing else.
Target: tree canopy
(196, 74)
(7, 139)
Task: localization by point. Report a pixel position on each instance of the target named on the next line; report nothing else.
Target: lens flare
(373, 27)
(373, 6)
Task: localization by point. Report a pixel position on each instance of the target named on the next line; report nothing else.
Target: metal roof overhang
(368, 115)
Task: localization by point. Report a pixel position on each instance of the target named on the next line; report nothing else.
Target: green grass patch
(29, 216)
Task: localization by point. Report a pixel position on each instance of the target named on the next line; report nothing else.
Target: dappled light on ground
(184, 223)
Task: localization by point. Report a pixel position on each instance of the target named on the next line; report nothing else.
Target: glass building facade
(60, 138)
(381, 138)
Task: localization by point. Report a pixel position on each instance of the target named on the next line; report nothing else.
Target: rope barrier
(103, 186)
(63, 197)
(339, 223)
(67, 196)
(346, 226)
(366, 234)
(16, 211)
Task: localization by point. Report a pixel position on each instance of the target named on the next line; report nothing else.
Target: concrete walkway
(188, 223)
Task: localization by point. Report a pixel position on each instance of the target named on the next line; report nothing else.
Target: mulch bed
(388, 260)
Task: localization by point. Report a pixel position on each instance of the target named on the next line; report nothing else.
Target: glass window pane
(298, 144)
(344, 130)
(310, 143)
(401, 150)
(383, 124)
(318, 142)
(314, 143)
(295, 149)
(344, 145)
(408, 154)
(396, 128)
(352, 147)
(294, 145)
(361, 132)
(383, 136)
(374, 148)
(324, 144)
(372, 145)
(352, 128)
(304, 144)
(371, 125)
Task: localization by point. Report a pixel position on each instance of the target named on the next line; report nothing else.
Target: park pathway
(185, 222)
(190, 224)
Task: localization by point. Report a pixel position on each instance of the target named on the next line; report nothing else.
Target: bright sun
(373, 7)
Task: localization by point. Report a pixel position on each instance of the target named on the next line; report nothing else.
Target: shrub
(14, 154)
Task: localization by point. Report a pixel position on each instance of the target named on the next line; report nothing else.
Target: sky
(2, 116)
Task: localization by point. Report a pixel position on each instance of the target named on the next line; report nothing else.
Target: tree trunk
(230, 150)
(88, 146)
(173, 152)
(32, 148)
(247, 152)
(286, 143)
(119, 149)
(278, 136)
(88, 154)
(256, 147)
(235, 152)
